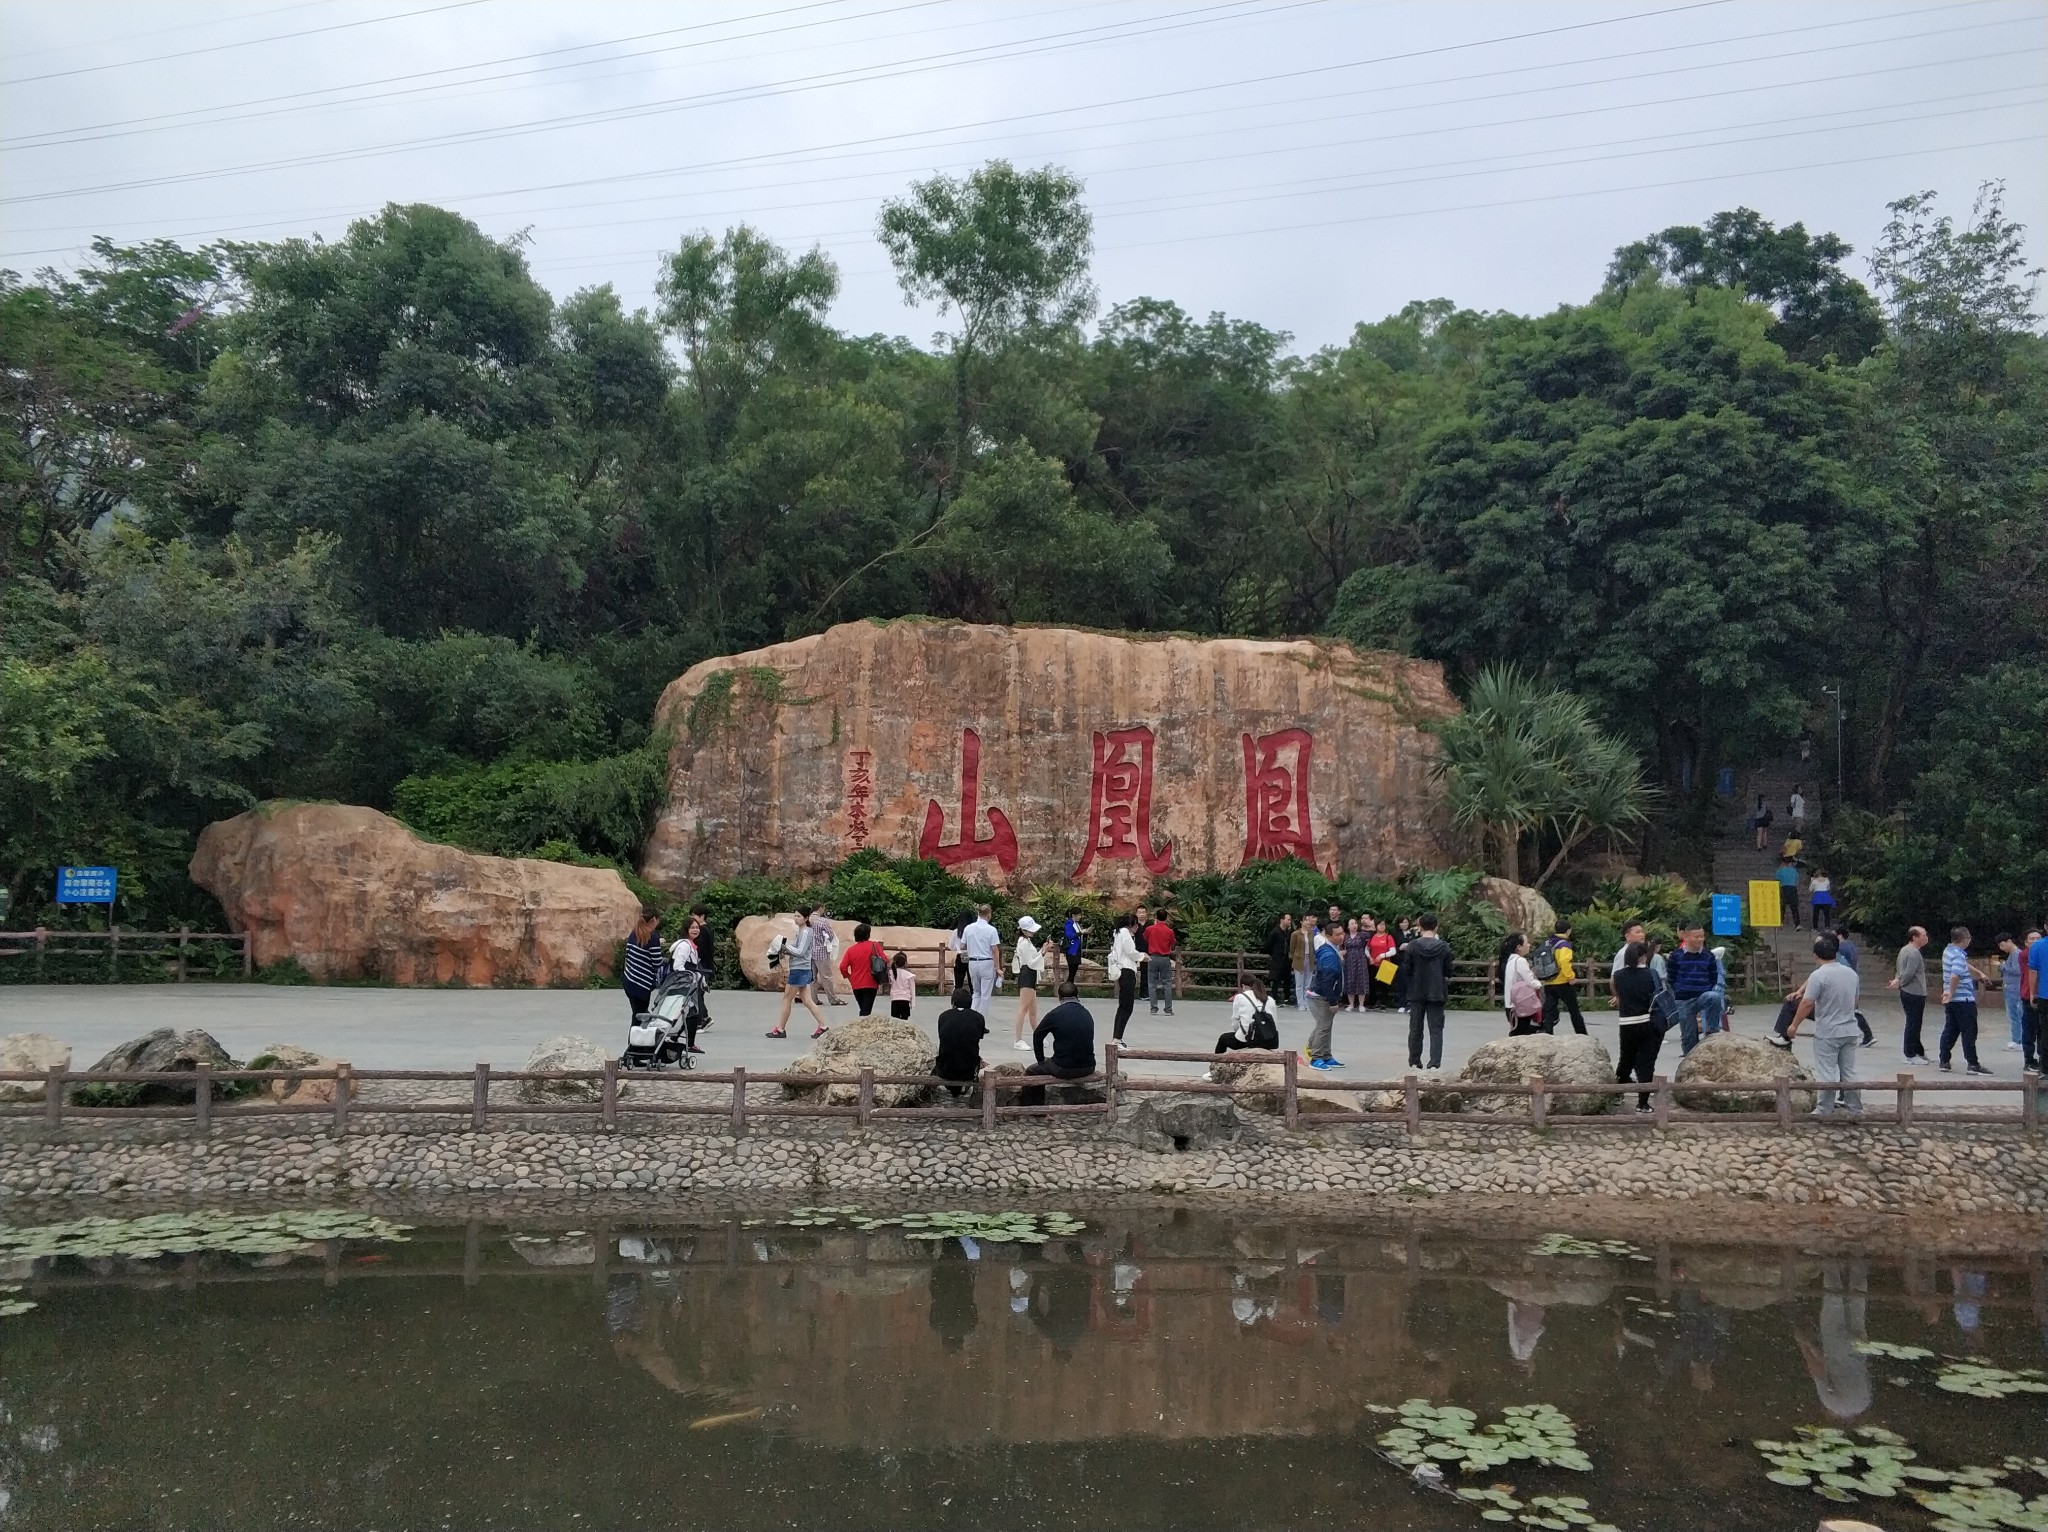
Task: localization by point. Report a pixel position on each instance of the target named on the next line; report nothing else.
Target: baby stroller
(665, 1034)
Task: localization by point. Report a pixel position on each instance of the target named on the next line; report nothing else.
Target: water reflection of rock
(852, 1352)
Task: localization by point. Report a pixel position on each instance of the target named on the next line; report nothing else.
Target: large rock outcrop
(21, 1052)
(566, 1051)
(1724, 1061)
(351, 893)
(925, 945)
(880, 1043)
(160, 1052)
(1047, 755)
(1561, 1062)
(1522, 907)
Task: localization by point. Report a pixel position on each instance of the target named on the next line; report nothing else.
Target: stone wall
(1048, 755)
(1965, 1170)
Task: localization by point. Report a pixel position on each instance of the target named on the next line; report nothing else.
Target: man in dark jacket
(1279, 961)
(1426, 963)
(1695, 978)
(1071, 1028)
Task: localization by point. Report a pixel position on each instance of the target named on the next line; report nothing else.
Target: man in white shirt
(983, 946)
(1796, 807)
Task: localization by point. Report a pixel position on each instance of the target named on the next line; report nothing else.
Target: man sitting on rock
(1072, 1030)
(1695, 975)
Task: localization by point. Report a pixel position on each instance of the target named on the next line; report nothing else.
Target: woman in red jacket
(864, 967)
(1380, 948)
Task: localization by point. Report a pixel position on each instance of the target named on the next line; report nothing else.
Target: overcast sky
(1307, 165)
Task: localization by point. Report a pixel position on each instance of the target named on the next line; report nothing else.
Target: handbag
(878, 966)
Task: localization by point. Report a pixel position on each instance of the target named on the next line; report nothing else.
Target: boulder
(880, 1043)
(1265, 1078)
(1178, 1120)
(566, 1051)
(21, 1052)
(929, 959)
(1562, 1061)
(298, 1092)
(1091, 759)
(161, 1051)
(1522, 908)
(1723, 1060)
(350, 893)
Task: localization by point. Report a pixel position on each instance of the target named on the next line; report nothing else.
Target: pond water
(1152, 1367)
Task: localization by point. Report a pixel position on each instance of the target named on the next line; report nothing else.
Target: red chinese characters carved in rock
(1120, 803)
(1276, 797)
(860, 790)
(1001, 840)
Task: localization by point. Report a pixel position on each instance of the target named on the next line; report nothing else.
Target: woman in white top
(1024, 963)
(1520, 992)
(1123, 972)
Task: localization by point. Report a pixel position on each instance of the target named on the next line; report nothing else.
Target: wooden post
(53, 1095)
(1411, 1102)
(739, 1100)
(342, 1082)
(42, 949)
(184, 936)
(113, 949)
(1660, 1106)
(608, 1109)
(1109, 1052)
(202, 1100)
(866, 1103)
(248, 957)
(1537, 1104)
(1784, 1101)
(2030, 1101)
(988, 1101)
(480, 1098)
(1905, 1101)
(1290, 1102)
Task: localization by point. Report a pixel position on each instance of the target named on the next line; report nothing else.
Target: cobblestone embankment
(1972, 1170)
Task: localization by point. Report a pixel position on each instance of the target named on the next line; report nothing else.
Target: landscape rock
(566, 1051)
(24, 1051)
(1057, 1093)
(1178, 1120)
(879, 734)
(1308, 1101)
(926, 946)
(158, 1052)
(880, 1043)
(1524, 909)
(298, 1092)
(1723, 1059)
(351, 893)
(1561, 1060)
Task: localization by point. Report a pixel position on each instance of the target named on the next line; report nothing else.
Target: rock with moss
(1561, 1062)
(160, 1052)
(30, 1052)
(1726, 1062)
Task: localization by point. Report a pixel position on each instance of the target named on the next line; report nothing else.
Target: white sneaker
(1021, 1046)
(2012, 1047)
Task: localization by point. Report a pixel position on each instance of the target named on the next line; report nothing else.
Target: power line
(247, 42)
(129, 126)
(830, 79)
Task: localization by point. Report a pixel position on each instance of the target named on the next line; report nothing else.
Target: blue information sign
(1724, 781)
(86, 885)
(1727, 914)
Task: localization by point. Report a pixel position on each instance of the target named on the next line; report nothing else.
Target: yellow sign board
(1763, 902)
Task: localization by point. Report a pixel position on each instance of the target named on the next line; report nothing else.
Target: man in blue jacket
(1325, 994)
(1695, 976)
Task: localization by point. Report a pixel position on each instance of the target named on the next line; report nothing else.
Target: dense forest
(381, 520)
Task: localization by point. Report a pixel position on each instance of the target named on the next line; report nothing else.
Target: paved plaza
(455, 1029)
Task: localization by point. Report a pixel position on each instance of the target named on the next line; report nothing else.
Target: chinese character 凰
(1120, 803)
(1276, 797)
(1001, 840)
(860, 787)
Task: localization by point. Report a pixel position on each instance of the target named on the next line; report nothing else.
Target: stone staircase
(1737, 861)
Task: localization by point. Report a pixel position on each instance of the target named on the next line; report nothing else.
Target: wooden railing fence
(207, 1108)
(174, 949)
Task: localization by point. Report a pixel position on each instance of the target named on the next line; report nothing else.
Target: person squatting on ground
(1694, 974)
(1025, 960)
(1426, 970)
(1830, 999)
(1640, 1034)
(1325, 994)
(1958, 1002)
(1560, 983)
(1159, 944)
(1070, 1028)
(794, 952)
(641, 970)
(1252, 1021)
(864, 966)
(1123, 973)
(961, 1030)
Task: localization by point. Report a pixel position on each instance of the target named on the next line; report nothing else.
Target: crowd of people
(1330, 964)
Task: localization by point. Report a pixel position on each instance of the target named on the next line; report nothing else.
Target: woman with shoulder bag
(1025, 960)
(1641, 1033)
(1518, 987)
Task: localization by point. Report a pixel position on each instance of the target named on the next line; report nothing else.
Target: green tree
(1525, 763)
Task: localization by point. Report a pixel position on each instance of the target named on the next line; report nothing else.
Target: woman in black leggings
(1635, 1000)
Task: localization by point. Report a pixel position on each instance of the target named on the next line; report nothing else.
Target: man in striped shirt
(1959, 1001)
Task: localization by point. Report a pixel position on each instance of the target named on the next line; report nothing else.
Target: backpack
(1544, 963)
(878, 966)
(1264, 1032)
